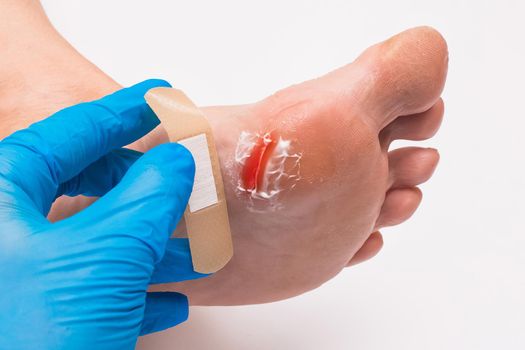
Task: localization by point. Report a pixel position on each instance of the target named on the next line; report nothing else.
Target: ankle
(37, 81)
(29, 94)
(40, 73)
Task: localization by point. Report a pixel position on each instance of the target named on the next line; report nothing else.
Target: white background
(453, 277)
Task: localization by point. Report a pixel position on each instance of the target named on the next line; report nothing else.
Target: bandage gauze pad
(206, 216)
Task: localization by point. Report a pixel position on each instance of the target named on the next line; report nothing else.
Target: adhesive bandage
(206, 216)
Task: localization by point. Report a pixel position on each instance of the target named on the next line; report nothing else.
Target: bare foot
(340, 125)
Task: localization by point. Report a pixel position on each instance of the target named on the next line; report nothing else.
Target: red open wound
(252, 175)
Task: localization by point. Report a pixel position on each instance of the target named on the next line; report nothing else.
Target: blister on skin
(267, 166)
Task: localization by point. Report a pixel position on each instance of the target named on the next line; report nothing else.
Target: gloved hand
(81, 283)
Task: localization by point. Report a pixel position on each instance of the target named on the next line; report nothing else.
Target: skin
(342, 123)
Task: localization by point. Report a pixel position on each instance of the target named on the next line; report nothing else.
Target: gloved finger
(101, 176)
(163, 310)
(17, 212)
(149, 200)
(58, 148)
(176, 264)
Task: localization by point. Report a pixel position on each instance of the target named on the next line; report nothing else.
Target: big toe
(404, 74)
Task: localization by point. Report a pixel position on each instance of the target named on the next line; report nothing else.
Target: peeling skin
(267, 166)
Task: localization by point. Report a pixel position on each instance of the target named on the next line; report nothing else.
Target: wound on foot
(267, 165)
(255, 165)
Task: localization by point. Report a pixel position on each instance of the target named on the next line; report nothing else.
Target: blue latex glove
(81, 283)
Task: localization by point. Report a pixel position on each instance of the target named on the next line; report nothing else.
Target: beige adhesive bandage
(206, 216)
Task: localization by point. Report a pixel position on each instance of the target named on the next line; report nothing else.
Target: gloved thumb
(150, 199)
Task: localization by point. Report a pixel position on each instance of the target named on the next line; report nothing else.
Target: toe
(368, 250)
(414, 127)
(399, 206)
(411, 166)
(406, 73)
